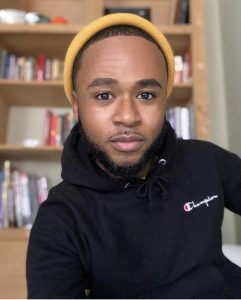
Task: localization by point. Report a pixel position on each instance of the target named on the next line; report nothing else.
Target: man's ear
(75, 107)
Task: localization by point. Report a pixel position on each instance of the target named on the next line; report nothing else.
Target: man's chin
(123, 163)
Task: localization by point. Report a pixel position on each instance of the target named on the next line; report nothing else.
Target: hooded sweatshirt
(159, 237)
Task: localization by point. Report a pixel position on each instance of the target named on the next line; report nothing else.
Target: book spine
(53, 128)
(3, 57)
(41, 67)
(42, 188)
(178, 69)
(17, 197)
(1, 203)
(47, 126)
(178, 124)
(26, 208)
(5, 191)
(185, 123)
(47, 69)
(184, 16)
(33, 196)
(58, 130)
(29, 68)
(187, 67)
(55, 69)
(6, 66)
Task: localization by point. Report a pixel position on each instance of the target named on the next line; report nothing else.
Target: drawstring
(145, 189)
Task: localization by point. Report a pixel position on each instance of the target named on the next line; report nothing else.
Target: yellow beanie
(108, 21)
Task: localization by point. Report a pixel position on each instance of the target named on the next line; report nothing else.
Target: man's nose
(127, 112)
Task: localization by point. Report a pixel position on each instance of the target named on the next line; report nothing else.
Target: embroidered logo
(191, 205)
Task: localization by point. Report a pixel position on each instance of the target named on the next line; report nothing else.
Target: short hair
(118, 30)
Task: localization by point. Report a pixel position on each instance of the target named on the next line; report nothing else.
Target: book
(182, 121)
(178, 78)
(144, 12)
(185, 123)
(42, 188)
(33, 195)
(5, 193)
(26, 208)
(182, 12)
(187, 67)
(13, 66)
(53, 130)
(57, 128)
(41, 67)
(184, 17)
(47, 125)
(22, 200)
(1, 205)
(16, 183)
(3, 57)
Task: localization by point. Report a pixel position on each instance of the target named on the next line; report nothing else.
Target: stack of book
(57, 128)
(182, 121)
(20, 196)
(183, 68)
(15, 67)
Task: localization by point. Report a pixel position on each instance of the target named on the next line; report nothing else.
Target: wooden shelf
(173, 29)
(41, 153)
(40, 29)
(182, 93)
(15, 234)
(16, 37)
(33, 93)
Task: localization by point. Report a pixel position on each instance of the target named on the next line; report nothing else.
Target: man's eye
(104, 96)
(145, 96)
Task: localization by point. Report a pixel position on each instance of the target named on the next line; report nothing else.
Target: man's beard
(127, 171)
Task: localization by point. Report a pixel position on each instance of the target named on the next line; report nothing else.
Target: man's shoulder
(200, 148)
(65, 193)
(198, 145)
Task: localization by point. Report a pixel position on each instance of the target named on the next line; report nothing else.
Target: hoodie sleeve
(56, 260)
(230, 168)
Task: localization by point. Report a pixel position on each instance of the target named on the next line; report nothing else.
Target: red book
(53, 130)
(41, 67)
(47, 125)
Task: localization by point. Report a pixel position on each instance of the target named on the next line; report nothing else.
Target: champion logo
(191, 205)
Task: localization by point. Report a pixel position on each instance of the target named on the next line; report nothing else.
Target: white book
(185, 123)
(178, 124)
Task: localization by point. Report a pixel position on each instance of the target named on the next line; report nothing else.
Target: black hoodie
(159, 237)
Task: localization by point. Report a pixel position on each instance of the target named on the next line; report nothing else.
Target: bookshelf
(53, 40)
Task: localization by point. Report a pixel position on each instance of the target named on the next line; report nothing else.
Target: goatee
(127, 171)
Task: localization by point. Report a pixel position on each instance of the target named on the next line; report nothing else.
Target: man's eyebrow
(149, 82)
(102, 81)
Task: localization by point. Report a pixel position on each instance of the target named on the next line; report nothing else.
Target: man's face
(121, 96)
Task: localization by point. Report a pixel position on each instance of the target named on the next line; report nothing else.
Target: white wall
(231, 42)
(223, 32)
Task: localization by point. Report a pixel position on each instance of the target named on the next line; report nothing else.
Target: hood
(78, 169)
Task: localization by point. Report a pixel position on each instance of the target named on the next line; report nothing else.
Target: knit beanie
(109, 21)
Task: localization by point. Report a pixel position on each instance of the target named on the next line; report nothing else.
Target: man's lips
(126, 143)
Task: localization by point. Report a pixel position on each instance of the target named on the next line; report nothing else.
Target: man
(138, 213)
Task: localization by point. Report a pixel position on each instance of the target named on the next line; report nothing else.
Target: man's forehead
(122, 44)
